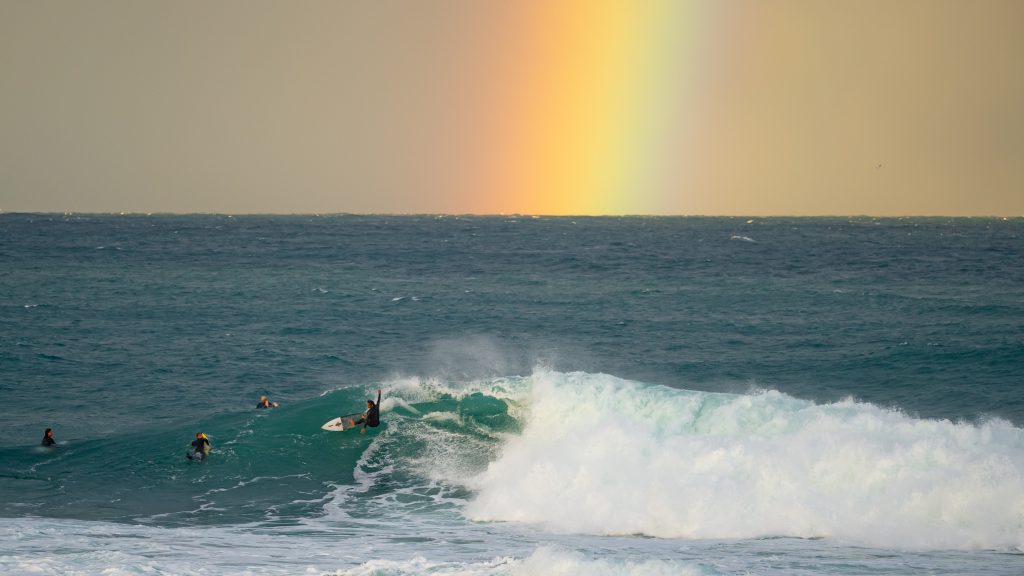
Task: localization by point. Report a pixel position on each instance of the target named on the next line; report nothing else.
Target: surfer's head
(200, 435)
(369, 403)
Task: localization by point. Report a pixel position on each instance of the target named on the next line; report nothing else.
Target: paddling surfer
(200, 447)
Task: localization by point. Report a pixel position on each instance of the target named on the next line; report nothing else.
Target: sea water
(561, 396)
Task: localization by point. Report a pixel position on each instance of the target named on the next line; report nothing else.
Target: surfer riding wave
(371, 417)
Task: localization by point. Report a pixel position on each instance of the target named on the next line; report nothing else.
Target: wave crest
(601, 455)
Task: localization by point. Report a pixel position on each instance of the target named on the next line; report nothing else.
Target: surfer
(200, 447)
(265, 403)
(372, 415)
(48, 440)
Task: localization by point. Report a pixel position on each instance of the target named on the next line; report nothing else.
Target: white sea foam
(406, 391)
(442, 417)
(600, 455)
(28, 546)
(545, 561)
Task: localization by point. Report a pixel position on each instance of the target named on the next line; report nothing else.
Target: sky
(547, 107)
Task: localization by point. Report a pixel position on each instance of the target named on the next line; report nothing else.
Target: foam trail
(600, 455)
(545, 561)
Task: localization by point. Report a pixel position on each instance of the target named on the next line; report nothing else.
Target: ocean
(561, 396)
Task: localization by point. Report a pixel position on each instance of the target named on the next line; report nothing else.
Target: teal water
(655, 395)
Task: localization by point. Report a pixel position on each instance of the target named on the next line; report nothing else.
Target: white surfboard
(339, 424)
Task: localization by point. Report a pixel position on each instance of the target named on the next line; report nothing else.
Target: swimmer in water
(266, 403)
(200, 447)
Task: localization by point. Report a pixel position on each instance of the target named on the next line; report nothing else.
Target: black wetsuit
(49, 441)
(262, 405)
(372, 416)
(201, 446)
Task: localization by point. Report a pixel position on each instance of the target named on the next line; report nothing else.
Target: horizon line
(496, 215)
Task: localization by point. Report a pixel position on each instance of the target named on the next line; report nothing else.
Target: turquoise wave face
(265, 464)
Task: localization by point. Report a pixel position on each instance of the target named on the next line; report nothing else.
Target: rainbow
(584, 109)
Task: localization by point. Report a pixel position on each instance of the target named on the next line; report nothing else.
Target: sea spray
(605, 456)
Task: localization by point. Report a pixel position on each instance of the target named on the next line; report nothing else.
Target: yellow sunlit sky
(724, 107)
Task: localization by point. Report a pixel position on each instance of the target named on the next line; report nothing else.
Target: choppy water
(561, 395)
